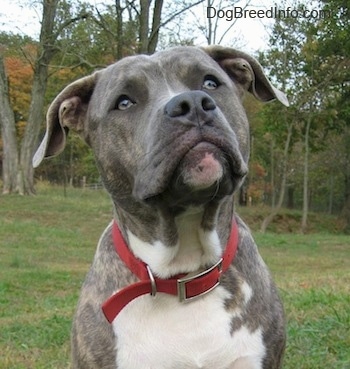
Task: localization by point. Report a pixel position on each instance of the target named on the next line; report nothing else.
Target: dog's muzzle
(194, 151)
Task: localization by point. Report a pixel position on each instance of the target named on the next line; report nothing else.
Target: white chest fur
(161, 333)
(195, 248)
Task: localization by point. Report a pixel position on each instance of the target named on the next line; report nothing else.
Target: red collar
(186, 288)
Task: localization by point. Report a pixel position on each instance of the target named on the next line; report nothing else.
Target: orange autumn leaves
(19, 70)
(20, 78)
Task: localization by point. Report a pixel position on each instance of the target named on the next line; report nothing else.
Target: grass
(47, 243)
(312, 273)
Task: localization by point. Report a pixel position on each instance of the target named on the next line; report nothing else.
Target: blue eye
(124, 103)
(211, 83)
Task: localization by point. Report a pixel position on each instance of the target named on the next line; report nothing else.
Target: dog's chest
(159, 332)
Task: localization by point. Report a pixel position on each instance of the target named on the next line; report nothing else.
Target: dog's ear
(247, 72)
(67, 111)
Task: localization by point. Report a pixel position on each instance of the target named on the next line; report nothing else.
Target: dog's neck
(184, 243)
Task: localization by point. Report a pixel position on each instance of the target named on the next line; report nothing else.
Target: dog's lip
(151, 186)
(211, 144)
(219, 144)
(204, 145)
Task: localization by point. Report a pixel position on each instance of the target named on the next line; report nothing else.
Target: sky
(23, 17)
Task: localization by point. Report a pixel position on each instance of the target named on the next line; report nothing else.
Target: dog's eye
(211, 83)
(123, 103)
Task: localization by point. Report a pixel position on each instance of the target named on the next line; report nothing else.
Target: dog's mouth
(193, 174)
(201, 167)
(199, 176)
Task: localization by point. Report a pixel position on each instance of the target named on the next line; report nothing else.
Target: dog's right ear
(67, 111)
(246, 71)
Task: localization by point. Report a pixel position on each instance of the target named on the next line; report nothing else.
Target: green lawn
(48, 241)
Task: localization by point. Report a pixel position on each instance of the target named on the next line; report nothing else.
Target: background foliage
(300, 155)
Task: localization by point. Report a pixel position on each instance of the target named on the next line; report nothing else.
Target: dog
(177, 280)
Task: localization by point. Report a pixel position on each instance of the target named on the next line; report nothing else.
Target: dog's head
(170, 126)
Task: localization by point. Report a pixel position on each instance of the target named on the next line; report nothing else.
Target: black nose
(194, 107)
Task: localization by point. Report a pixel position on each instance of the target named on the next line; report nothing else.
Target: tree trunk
(32, 131)
(282, 191)
(284, 159)
(272, 164)
(45, 53)
(345, 213)
(290, 197)
(144, 26)
(8, 133)
(306, 176)
(153, 39)
(331, 193)
(243, 194)
(119, 12)
(209, 35)
(148, 39)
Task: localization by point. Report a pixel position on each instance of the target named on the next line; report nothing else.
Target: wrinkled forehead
(181, 60)
(173, 65)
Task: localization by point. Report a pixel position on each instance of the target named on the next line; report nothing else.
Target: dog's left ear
(247, 72)
(67, 111)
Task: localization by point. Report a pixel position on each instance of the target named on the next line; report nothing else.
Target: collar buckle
(187, 288)
(153, 281)
(182, 282)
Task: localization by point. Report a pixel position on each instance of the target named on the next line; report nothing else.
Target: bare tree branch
(168, 20)
(68, 23)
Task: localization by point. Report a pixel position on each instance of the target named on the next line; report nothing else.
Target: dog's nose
(194, 107)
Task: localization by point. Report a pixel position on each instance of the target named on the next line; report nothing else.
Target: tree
(45, 49)
(310, 80)
(334, 46)
(8, 134)
(213, 30)
(283, 160)
(320, 77)
(149, 37)
(45, 52)
(283, 62)
(15, 81)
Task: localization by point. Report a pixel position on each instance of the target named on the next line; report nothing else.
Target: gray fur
(140, 151)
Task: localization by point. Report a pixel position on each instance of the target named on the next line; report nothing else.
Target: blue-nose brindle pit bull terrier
(177, 281)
